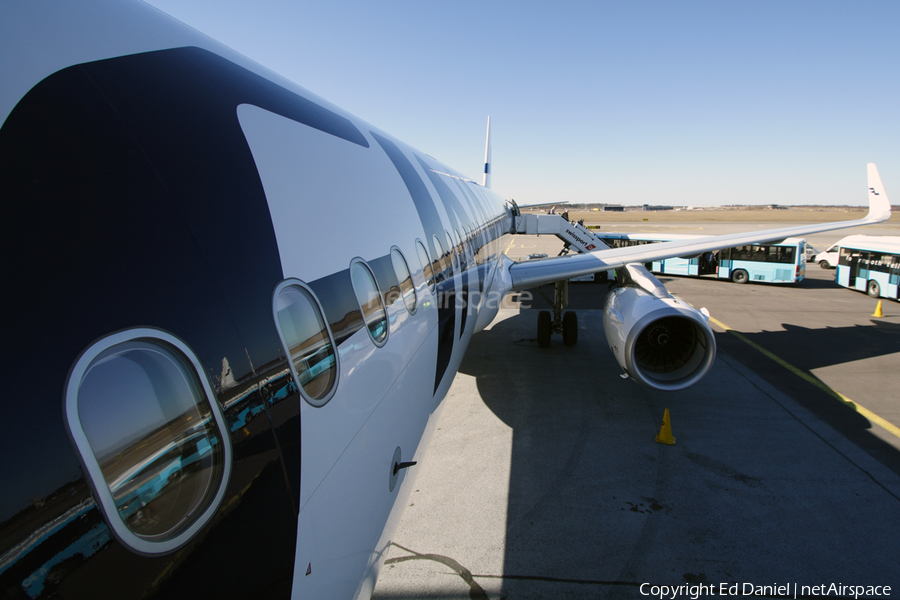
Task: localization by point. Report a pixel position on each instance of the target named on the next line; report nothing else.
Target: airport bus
(784, 262)
(869, 263)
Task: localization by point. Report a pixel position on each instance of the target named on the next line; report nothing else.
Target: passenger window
(463, 265)
(307, 340)
(454, 259)
(426, 264)
(446, 268)
(370, 302)
(151, 436)
(406, 285)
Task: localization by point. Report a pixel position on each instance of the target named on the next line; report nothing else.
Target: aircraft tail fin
(879, 205)
(486, 182)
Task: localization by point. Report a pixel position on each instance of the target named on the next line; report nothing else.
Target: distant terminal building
(657, 207)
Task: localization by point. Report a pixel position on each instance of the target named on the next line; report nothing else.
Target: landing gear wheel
(570, 329)
(740, 276)
(545, 328)
(873, 289)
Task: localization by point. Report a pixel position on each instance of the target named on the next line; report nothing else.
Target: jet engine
(659, 340)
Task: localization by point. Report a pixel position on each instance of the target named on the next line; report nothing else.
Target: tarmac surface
(544, 479)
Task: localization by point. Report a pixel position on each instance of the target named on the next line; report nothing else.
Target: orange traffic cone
(665, 432)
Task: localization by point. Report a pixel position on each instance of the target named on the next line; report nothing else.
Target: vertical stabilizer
(487, 157)
(879, 205)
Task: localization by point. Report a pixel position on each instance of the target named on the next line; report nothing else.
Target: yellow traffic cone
(665, 432)
(878, 310)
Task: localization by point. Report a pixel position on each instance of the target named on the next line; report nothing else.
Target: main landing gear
(565, 323)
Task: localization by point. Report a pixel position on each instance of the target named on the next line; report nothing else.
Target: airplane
(233, 311)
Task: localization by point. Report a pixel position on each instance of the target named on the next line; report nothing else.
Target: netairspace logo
(785, 590)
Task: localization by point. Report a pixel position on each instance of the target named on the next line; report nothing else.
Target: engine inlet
(666, 345)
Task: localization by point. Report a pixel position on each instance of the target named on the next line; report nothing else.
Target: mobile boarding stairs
(574, 235)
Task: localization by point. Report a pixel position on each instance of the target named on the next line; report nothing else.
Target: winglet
(487, 157)
(879, 205)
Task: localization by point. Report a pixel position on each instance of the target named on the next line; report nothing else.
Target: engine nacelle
(659, 340)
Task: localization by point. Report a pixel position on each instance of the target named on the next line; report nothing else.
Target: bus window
(781, 254)
(879, 262)
(848, 257)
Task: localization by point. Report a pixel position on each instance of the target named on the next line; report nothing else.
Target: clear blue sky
(712, 102)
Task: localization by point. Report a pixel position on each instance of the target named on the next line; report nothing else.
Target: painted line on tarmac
(872, 417)
(509, 245)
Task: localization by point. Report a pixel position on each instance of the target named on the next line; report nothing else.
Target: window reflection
(426, 264)
(306, 341)
(461, 251)
(442, 264)
(403, 276)
(454, 259)
(150, 427)
(370, 302)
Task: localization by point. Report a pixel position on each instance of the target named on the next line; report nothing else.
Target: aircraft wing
(532, 273)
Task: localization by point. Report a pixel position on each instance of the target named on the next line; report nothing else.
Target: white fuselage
(337, 190)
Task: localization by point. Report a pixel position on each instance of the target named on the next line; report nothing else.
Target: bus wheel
(545, 328)
(740, 276)
(873, 289)
(824, 264)
(570, 329)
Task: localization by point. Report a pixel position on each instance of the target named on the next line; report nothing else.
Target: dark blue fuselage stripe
(95, 162)
(431, 223)
(458, 215)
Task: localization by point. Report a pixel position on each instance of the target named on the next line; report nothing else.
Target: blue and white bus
(871, 264)
(784, 262)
